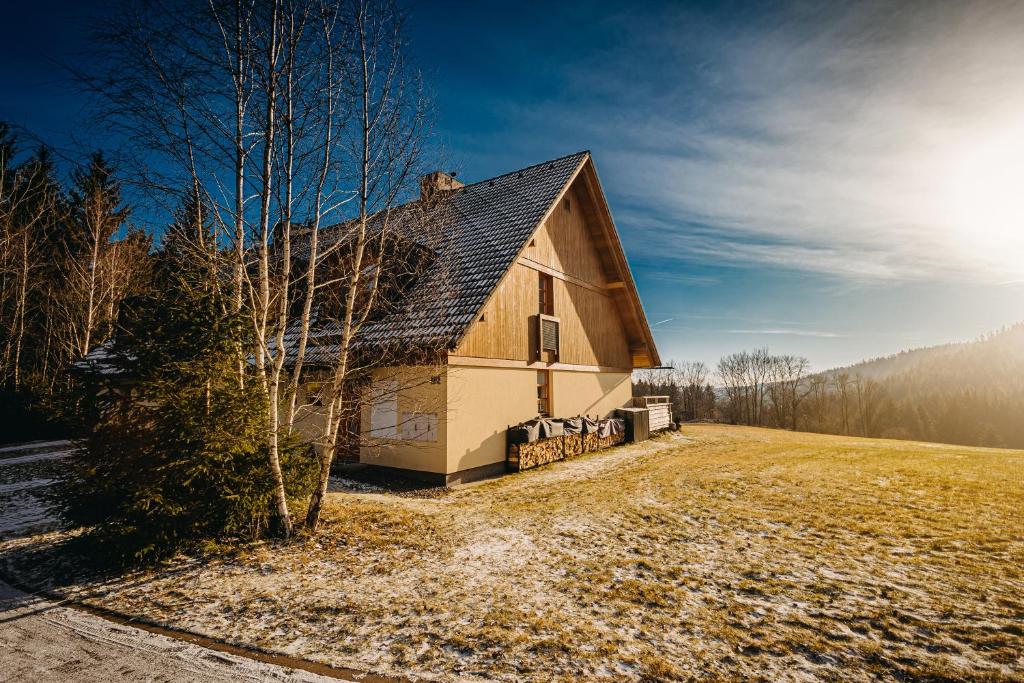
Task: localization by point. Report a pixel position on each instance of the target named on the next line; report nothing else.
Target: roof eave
(622, 264)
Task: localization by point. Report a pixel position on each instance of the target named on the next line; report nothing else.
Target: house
(541, 317)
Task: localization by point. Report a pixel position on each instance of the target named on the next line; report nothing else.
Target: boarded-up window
(384, 410)
(419, 426)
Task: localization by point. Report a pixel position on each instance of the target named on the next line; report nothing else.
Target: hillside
(985, 357)
(969, 393)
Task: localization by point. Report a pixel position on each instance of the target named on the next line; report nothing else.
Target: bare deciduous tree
(386, 139)
(283, 118)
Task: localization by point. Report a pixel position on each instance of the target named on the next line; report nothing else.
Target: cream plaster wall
(590, 393)
(484, 401)
(416, 393)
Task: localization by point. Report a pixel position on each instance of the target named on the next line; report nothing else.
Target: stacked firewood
(532, 445)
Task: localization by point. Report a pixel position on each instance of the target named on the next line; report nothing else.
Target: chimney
(438, 181)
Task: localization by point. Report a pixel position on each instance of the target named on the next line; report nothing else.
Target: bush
(173, 465)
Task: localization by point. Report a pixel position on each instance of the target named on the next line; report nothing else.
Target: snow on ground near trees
(24, 472)
(43, 641)
(31, 446)
(722, 554)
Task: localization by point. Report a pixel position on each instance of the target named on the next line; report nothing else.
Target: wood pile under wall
(543, 451)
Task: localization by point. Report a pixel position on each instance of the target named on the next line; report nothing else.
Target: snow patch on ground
(24, 513)
(493, 551)
(24, 485)
(37, 457)
(33, 445)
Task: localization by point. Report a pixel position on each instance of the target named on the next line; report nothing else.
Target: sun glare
(986, 200)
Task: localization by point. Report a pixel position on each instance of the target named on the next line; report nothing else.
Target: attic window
(545, 294)
(533, 243)
(483, 317)
(567, 204)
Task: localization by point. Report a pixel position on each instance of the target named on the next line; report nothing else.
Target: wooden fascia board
(619, 257)
(522, 249)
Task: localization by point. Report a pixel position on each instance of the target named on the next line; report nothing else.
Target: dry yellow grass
(724, 552)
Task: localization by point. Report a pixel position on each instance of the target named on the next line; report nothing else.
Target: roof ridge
(466, 186)
(525, 168)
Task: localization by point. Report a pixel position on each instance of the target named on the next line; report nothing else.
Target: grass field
(722, 552)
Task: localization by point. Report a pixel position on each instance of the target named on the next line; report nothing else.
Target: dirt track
(41, 641)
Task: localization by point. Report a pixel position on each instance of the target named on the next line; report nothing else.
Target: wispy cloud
(825, 138)
(680, 277)
(789, 333)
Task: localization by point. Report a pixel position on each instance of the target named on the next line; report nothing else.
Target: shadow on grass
(57, 564)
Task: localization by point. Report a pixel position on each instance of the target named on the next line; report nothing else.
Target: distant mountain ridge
(1006, 345)
(967, 393)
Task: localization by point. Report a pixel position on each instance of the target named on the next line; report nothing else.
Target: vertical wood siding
(591, 329)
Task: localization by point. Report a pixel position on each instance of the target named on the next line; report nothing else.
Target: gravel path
(42, 641)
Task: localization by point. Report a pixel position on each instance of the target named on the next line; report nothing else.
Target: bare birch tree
(29, 201)
(386, 142)
(282, 117)
(97, 214)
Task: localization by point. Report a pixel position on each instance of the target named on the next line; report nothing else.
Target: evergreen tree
(181, 455)
(97, 214)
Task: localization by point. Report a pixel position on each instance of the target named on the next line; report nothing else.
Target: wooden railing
(648, 401)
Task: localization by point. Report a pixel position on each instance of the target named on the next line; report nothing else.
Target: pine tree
(182, 456)
(97, 214)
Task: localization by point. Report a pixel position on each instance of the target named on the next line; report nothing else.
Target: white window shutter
(384, 410)
(419, 426)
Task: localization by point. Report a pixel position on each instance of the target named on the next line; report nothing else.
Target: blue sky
(837, 181)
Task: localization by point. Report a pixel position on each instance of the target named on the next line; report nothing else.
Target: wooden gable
(594, 297)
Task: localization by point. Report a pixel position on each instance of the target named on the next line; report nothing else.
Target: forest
(63, 276)
(970, 393)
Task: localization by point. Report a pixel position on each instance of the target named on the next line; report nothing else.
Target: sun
(986, 200)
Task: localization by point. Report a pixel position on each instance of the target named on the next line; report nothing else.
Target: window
(315, 392)
(384, 410)
(419, 426)
(544, 393)
(547, 292)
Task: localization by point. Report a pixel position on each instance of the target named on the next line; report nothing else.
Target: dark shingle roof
(484, 226)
